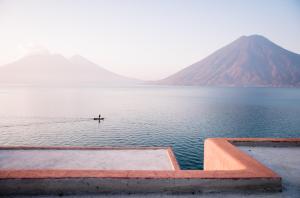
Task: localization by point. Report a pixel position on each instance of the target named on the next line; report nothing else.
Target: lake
(181, 117)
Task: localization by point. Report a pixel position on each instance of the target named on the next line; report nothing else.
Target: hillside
(55, 69)
(250, 61)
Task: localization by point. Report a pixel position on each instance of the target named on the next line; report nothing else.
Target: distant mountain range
(250, 61)
(55, 69)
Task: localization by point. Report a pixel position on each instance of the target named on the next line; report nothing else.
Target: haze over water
(181, 117)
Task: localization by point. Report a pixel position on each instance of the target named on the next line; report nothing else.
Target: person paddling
(99, 118)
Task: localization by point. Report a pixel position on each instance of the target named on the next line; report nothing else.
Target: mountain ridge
(55, 69)
(249, 61)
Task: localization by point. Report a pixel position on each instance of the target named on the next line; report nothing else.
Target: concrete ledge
(272, 142)
(87, 159)
(71, 186)
(221, 154)
(226, 168)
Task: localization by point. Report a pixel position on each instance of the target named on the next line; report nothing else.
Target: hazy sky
(143, 39)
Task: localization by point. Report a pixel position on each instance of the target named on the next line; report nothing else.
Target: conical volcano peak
(248, 61)
(255, 38)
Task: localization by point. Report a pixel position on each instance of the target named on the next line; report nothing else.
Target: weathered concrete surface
(77, 186)
(249, 180)
(31, 179)
(116, 159)
(283, 160)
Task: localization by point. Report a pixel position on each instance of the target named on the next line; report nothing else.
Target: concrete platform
(285, 161)
(228, 170)
(86, 159)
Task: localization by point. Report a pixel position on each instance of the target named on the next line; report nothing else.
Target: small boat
(98, 118)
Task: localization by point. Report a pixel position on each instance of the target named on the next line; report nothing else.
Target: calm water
(181, 117)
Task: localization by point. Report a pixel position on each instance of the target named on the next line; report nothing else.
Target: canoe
(98, 118)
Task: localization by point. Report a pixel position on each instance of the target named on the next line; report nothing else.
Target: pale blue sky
(138, 38)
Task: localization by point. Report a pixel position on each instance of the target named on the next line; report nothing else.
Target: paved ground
(285, 161)
(157, 159)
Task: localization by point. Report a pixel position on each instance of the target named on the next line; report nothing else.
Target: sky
(147, 40)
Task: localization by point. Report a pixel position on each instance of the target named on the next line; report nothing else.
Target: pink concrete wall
(218, 158)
